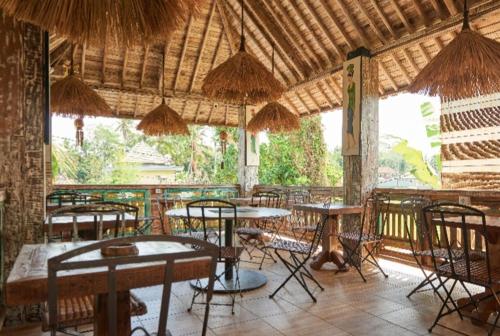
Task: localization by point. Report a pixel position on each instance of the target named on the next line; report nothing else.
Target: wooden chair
(299, 253)
(69, 262)
(251, 238)
(126, 209)
(471, 266)
(213, 230)
(361, 243)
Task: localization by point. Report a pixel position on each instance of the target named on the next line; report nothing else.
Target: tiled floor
(346, 307)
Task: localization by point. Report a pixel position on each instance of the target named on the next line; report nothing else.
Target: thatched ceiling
(311, 38)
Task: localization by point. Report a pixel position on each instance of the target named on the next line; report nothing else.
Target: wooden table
(488, 306)
(249, 279)
(27, 282)
(329, 241)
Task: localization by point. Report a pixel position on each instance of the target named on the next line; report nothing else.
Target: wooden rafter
(104, 60)
(450, 5)
(402, 16)
(124, 67)
(202, 47)
(388, 76)
(298, 13)
(438, 43)
(272, 33)
(166, 50)
(291, 105)
(226, 114)
(144, 65)
(352, 21)
(314, 100)
(371, 20)
(420, 11)
(325, 95)
(437, 8)
(211, 113)
(411, 61)
(382, 15)
(424, 52)
(298, 35)
(136, 106)
(118, 104)
(287, 34)
(231, 39)
(327, 32)
(301, 100)
(217, 50)
(402, 68)
(332, 84)
(183, 52)
(197, 112)
(82, 60)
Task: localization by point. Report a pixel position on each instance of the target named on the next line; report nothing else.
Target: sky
(398, 116)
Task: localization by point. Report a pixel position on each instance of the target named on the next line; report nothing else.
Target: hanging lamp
(98, 22)
(71, 97)
(242, 79)
(163, 120)
(468, 66)
(274, 117)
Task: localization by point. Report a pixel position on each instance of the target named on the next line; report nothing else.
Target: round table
(249, 279)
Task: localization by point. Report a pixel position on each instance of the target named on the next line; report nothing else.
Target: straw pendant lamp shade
(468, 66)
(274, 117)
(91, 21)
(242, 79)
(163, 120)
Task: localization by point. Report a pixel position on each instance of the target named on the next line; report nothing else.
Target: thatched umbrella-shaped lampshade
(274, 118)
(71, 97)
(468, 66)
(91, 21)
(163, 120)
(242, 79)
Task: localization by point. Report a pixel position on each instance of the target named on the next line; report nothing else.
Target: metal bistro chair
(129, 213)
(88, 213)
(252, 238)
(213, 214)
(299, 254)
(471, 267)
(68, 262)
(368, 237)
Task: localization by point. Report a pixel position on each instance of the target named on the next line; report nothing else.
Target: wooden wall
(21, 134)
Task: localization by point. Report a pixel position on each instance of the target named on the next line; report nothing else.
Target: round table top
(246, 213)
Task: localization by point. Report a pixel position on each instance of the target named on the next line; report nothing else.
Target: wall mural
(351, 121)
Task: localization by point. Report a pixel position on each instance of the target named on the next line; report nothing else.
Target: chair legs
(297, 267)
(351, 253)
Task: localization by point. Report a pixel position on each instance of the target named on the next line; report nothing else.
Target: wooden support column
(248, 152)
(360, 140)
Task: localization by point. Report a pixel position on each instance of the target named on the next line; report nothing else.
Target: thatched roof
(311, 39)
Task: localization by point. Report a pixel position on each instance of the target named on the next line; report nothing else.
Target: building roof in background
(142, 153)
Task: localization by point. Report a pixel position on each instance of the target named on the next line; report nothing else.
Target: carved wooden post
(248, 153)
(360, 128)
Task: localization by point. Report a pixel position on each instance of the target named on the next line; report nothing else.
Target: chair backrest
(375, 215)
(268, 199)
(90, 212)
(416, 233)
(61, 198)
(213, 214)
(444, 218)
(318, 232)
(73, 261)
(129, 209)
(297, 197)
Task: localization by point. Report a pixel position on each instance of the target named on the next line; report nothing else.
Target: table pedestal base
(249, 280)
(328, 256)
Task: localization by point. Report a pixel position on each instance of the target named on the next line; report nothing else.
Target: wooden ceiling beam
(438, 43)
(371, 20)
(437, 8)
(333, 86)
(401, 67)
(124, 67)
(324, 94)
(452, 8)
(291, 105)
(231, 38)
(217, 50)
(144, 65)
(382, 15)
(291, 40)
(295, 33)
(319, 21)
(197, 112)
(166, 50)
(226, 115)
(211, 113)
(301, 100)
(314, 100)
(421, 12)
(272, 33)
(411, 61)
(402, 16)
(82, 60)
(104, 59)
(204, 40)
(136, 106)
(424, 52)
(388, 76)
(263, 49)
(354, 24)
(338, 25)
(183, 52)
(298, 13)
